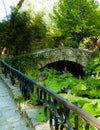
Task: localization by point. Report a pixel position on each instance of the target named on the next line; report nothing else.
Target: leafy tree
(39, 32)
(77, 19)
(7, 31)
(3, 30)
(21, 34)
(3, 34)
(27, 33)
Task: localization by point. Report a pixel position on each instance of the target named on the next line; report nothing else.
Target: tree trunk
(5, 8)
(14, 12)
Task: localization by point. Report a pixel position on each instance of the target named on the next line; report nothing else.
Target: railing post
(76, 122)
(87, 126)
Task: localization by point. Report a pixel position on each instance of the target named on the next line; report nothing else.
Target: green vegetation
(93, 68)
(20, 100)
(82, 92)
(27, 35)
(75, 19)
(72, 22)
(25, 31)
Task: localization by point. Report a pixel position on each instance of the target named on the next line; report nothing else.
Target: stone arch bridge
(48, 56)
(45, 57)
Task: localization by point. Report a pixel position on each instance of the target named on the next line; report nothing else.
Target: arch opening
(67, 66)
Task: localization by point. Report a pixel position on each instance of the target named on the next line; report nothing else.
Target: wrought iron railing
(63, 115)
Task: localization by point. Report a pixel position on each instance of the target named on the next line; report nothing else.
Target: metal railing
(63, 115)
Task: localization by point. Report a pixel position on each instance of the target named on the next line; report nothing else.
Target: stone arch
(67, 67)
(78, 56)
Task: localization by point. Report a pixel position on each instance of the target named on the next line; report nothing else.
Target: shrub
(73, 44)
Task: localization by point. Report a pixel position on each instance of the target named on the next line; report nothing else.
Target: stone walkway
(10, 118)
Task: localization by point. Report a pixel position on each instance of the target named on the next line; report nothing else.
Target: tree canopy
(73, 20)
(25, 33)
(77, 19)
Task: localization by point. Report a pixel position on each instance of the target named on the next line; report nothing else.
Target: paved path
(10, 118)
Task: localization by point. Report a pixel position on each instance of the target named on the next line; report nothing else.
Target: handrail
(58, 107)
